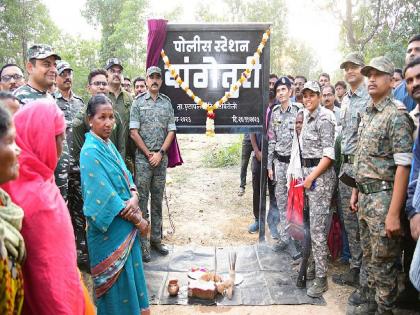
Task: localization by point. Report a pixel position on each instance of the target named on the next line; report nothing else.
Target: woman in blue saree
(113, 218)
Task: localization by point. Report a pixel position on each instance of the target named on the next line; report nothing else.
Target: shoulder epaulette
(140, 95)
(275, 107)
(79, 98)
(165, 97)
(400, 105)
(298, 106)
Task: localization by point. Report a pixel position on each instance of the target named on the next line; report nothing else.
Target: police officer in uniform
(353, 105)
(152, 128)
(281, 131)
(70, 104)
(318, 154)
(382, 166)
(42, 71)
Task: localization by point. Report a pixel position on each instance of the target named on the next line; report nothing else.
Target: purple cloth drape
(155, 41)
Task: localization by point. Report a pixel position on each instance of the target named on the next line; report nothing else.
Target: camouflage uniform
(385, 142)
(153, 120)
(26, 94)
(282, 126)
(317, 142)
(352, 106)
(71, 108)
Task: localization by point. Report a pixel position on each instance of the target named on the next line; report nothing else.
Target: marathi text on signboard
(209, 58)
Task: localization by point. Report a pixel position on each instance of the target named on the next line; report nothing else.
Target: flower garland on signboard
(210, 108)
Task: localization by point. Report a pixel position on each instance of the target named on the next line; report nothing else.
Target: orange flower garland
(233, 88)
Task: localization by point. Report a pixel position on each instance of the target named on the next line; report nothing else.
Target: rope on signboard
(210, 108)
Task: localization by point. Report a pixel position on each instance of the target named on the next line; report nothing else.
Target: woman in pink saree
(51, 279)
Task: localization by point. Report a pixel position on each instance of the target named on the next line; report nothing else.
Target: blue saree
(113, 243)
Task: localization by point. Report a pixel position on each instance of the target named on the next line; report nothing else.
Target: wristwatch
(162, 152)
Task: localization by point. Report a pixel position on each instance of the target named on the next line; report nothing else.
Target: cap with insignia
(41, 51)
(63, 65)
(282, 81)
(313, 86)
(381, 64)
(353, 57)
(112, 62)
(153, 69)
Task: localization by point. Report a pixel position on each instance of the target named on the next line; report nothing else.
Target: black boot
(349, 278)
(160, 248)
(362, 302)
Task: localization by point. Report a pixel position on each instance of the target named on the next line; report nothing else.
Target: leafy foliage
(23, 23)
(122, 23)
(376, 27)
(223, 156)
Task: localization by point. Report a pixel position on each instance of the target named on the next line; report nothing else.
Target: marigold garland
(210, 108)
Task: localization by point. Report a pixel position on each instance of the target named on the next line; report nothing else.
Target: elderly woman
(51, 280)
(113, 218)
(12, 248)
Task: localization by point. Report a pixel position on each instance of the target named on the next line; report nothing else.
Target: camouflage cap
(113, 61)
(41, 51)
(153, 69)
(63, 65)
(283, 81)
(353, 57)
(313, 86)
(382, 64)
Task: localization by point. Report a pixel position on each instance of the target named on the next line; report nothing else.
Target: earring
(90, 125)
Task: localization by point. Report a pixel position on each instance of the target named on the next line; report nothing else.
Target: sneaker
(254, 227)
(319, 286)
(241, 191)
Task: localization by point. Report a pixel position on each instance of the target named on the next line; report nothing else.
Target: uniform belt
(374, 187)
(310, 162)
(282, 158)
(348, 158)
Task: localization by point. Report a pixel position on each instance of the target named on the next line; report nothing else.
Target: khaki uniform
(385, 142)
(318, 141)
(153, 119)
(122, 105)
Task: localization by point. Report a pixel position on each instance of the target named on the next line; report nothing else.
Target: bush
(223, 157)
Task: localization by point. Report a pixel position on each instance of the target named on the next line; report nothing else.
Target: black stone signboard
(209, 58)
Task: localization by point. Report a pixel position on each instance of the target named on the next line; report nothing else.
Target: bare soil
(206, 210)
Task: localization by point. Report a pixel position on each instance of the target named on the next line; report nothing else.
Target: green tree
(376, 27)
(285, 57)
(122, 24)
(298, 59)
(83, 56)
(22, 23)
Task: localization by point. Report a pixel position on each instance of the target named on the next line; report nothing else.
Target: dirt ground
(206, 210)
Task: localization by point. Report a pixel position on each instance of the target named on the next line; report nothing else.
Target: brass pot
(173, 287)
